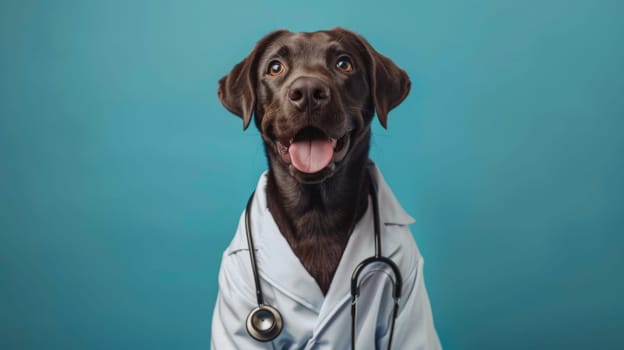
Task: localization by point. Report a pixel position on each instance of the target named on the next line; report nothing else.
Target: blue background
(122, 177)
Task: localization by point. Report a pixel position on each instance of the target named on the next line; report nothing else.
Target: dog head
(313, 96)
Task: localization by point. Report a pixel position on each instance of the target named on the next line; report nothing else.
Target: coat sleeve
(414, 324)
(236, 298)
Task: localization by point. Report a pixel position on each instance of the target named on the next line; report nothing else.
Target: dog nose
(308, 92)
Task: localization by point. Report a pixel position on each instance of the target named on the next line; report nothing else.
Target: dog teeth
(333, 142)
(282, 148)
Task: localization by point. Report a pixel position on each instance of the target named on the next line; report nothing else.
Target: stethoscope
(265, 323)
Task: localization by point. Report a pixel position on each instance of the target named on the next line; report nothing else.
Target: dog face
(313, 96)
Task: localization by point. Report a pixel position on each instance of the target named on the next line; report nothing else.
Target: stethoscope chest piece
(264, 323)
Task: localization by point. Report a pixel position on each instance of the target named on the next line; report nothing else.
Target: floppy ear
(237, 90)
(389, 84)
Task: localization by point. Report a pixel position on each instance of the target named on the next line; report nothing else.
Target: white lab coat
(312, 320)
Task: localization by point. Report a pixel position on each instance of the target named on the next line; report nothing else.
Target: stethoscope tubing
(252, 250)
(275, 328)
(377, 258)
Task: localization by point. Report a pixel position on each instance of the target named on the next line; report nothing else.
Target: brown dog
(313, 97)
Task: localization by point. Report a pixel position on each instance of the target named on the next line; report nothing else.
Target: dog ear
(237, 90)
(389, 84)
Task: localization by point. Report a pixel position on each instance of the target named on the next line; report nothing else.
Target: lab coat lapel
(359, 247)
(277, 263)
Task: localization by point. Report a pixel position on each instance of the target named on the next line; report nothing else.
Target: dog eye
(344, 64)
(275, 68)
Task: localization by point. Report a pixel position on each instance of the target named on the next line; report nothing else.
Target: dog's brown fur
(315, 212)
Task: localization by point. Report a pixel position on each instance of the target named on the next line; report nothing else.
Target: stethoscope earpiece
(264, 323)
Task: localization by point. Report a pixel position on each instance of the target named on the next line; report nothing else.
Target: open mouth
(311, 150)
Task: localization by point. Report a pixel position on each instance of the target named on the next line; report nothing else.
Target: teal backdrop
(122, 178)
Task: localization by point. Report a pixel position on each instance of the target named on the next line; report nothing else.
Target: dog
(313, 97)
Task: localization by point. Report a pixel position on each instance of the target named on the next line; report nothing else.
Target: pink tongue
(311, 156)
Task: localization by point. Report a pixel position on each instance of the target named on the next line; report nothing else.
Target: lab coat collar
(391, 212)
(280, 268)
